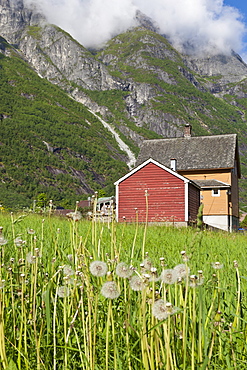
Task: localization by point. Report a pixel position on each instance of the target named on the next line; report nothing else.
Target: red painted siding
(166, 196)
(194, 202)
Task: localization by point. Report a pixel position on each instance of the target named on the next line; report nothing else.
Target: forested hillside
(79, 155)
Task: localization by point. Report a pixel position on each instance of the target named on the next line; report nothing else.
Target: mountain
(68, 106)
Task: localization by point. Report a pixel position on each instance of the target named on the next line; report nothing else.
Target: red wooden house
(156, 193)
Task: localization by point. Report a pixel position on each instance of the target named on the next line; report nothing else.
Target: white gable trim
(150, 160)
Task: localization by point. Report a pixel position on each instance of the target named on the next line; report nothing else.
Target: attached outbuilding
(153, 192)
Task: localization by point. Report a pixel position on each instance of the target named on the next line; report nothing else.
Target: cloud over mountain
(201, 26)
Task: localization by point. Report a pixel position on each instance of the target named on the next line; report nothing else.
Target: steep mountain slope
(49, 143)
(137, 82)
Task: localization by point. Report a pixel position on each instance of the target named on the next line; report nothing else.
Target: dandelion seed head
(63, 291)
(110, 290)
(70, 257)
(185, 258)
(159, 310)
(75, 216)
(146, 277)
(31, 231)
(68, 271)
(3, 241)
(168, 276)
(98, 268)
(193, 281)
(217, 265)
(30, 258)
(19, 242)
(154, 275)
(123, 270)
(136, 283)
(37, 252)
(235, 264)
(147, 264)
(200, 277)
(182, 270)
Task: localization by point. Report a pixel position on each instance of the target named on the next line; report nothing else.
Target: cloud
(200, 26)
(91, 22)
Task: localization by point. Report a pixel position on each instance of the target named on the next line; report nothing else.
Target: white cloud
(205, 25)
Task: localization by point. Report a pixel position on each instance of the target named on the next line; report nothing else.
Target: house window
(215, 192)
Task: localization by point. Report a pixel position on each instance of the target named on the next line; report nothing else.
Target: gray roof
(211, 184)
(192, 153)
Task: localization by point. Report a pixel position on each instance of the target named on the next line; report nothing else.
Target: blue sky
(241, 5)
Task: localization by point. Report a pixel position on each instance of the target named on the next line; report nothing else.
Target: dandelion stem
(145, 227)
(54, 329)
(134, 240)
(108, 323)
(2, 338)
(235, 324)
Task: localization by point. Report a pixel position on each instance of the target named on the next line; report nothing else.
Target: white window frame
(216, 194)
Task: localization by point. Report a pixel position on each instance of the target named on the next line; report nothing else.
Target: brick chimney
(187, 130)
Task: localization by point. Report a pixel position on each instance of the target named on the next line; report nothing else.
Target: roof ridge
(191, 137)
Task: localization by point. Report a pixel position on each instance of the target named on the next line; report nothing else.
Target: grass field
(89, 295)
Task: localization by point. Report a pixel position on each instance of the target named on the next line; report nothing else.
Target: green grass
(54, 316)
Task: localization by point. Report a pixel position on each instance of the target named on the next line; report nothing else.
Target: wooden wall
(165, 200)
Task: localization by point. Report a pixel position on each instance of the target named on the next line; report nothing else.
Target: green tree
(42, 200)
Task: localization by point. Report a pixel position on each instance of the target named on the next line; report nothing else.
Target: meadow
(79, 294)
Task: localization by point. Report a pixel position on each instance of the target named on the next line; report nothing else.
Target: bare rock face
(14, 18)
(223, 70)
(53, 53)
(59, 58)
(231, 68)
